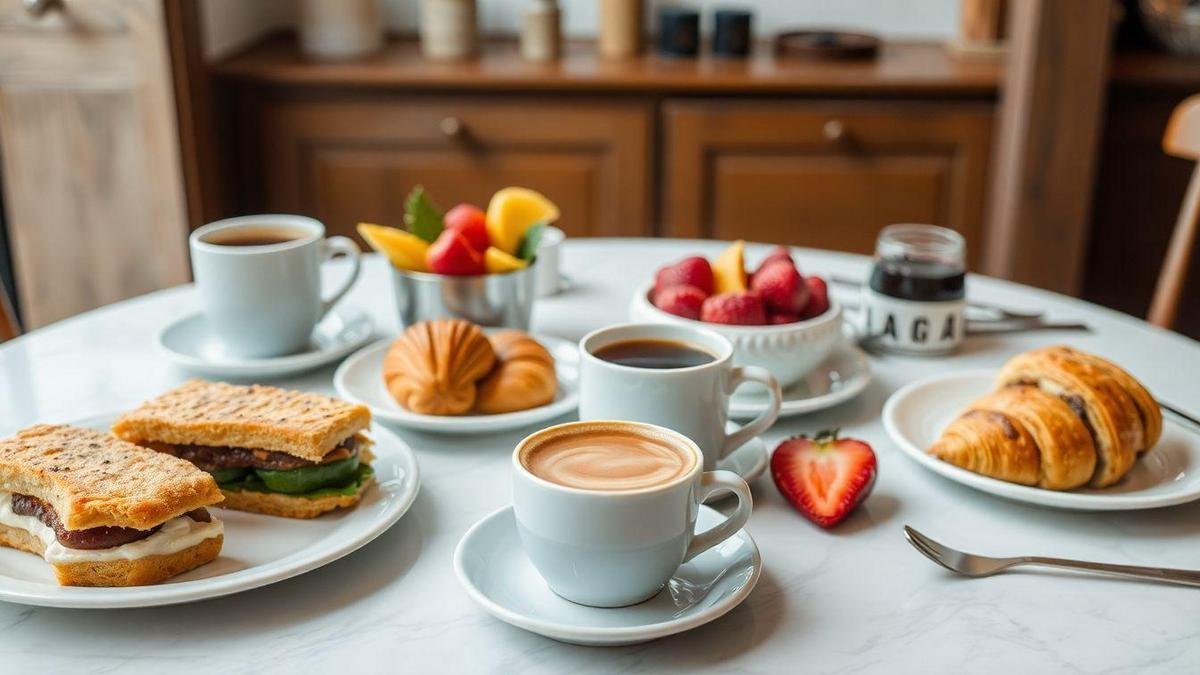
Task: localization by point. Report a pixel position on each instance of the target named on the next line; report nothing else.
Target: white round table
(855, 598)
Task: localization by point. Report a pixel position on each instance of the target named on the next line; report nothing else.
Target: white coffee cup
(618, 548)
(264, 300)
(693, 401)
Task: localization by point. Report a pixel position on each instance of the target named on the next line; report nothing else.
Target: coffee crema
(608, 461)
(253, 236)
(654, 353)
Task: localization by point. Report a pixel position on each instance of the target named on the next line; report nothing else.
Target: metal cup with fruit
(465, 263)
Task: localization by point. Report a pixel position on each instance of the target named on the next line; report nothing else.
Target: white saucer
(258, 550)
(1169, 473)
(840, 377)
(494, 571)
(749, 461)
(189, 344)
(360, 379)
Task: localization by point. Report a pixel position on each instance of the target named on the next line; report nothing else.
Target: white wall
(231, 24)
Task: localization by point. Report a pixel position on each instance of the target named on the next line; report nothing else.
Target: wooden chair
(1182, 139)
(9, 326)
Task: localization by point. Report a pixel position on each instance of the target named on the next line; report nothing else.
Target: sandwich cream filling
(174, 536)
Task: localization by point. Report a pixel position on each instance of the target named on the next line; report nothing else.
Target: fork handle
(1164, 574)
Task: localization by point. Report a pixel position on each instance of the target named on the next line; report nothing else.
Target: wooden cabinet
(349, 160)
(823, 174)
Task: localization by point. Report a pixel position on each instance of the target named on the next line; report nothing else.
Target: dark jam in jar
(919, 280)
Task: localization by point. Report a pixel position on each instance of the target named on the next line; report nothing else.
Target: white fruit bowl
(790, 350)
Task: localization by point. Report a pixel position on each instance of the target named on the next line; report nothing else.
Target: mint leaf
(422, 216)
(253, 483)
(527, 250)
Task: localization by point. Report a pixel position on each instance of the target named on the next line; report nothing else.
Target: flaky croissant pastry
(523, 378)
(434, 366)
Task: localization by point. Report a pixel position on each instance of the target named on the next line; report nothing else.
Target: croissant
(433, 367)
(523, 378)
(1106, 406)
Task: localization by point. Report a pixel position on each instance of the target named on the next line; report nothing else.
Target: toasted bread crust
(287, 506)
(94, 480)
(142, 571)
(256, 417)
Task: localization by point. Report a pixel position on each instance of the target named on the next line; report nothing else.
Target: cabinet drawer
(346, 161)
(826, 175)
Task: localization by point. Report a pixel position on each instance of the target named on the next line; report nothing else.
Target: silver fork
(971, 565)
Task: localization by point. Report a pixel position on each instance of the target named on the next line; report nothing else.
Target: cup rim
(719, 360)
(678, 439)
(314, 227)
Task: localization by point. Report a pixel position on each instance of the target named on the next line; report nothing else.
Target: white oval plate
(189, 344)
(360, 379)
(494, 571)
(1168, 474)
(258, 550)
(844, 374)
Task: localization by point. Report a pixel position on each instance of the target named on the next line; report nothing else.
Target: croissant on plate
(1059, 419)
(434, 366)
(523, 377)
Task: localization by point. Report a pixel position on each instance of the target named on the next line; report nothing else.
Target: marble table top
(857, 598)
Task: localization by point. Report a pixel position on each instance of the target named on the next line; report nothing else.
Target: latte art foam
(608, 461)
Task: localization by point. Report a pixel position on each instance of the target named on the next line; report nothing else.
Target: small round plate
(189, 344)
(258, 550)
(360, 379)
(494, 571)
(1168, 474)
(844, 374)
(748, 461)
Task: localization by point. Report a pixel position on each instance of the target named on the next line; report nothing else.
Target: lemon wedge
(512, 211)
(405, 250)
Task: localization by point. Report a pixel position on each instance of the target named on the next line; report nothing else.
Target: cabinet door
(825, 175)
(348, 161)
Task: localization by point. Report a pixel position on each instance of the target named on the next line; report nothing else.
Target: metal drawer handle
(452, 127)
(38, 8)
(834, 130)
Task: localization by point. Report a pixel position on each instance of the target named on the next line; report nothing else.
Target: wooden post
(1045, 156)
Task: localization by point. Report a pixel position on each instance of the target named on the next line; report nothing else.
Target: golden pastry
(523, 378)
(434, 366)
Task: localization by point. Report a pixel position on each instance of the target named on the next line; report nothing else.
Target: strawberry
(734, 308)
(693, 271)
(452, 254)
(781, 287)
(471, 222)
(825, 477)
(777, 253)
(776, 318)
(818, 298)
(682, 301)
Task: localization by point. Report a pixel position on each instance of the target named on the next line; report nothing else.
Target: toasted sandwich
(282, 453)
(104, 512)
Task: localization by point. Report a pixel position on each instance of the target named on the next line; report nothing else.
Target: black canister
(678, 31)
(731, 33)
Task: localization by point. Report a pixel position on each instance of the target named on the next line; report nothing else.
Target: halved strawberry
(825, 477)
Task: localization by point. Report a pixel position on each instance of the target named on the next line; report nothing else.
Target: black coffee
(650, 353)
(922, 281)
(252, 237)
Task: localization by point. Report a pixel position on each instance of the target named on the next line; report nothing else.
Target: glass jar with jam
(915, 301)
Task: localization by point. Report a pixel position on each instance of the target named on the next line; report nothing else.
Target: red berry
(744, 309)
(693, 271)
(451, 254)
(777, 253)
(782, 317)
(818, 298)
(781, 287)
(471, 222)
(682, 301)
(825, 477)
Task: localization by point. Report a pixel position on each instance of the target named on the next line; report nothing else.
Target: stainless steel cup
(498, 300)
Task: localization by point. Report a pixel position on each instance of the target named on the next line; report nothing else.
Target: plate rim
(1022, 493)
(263, 366)
(157, 595)
(792, 407)
(450, 424)
(614, 635)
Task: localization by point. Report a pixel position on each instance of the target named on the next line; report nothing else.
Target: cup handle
(739, 376)
(330, 248)
(720, 481)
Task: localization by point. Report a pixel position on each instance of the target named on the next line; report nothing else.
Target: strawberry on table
(781, 287)
(824, 477)
(682, 301)
(744, 309)
(693, 271)
(471, 221)
(451, 254)
(818, 298)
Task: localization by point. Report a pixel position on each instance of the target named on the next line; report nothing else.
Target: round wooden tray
(826, 44)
